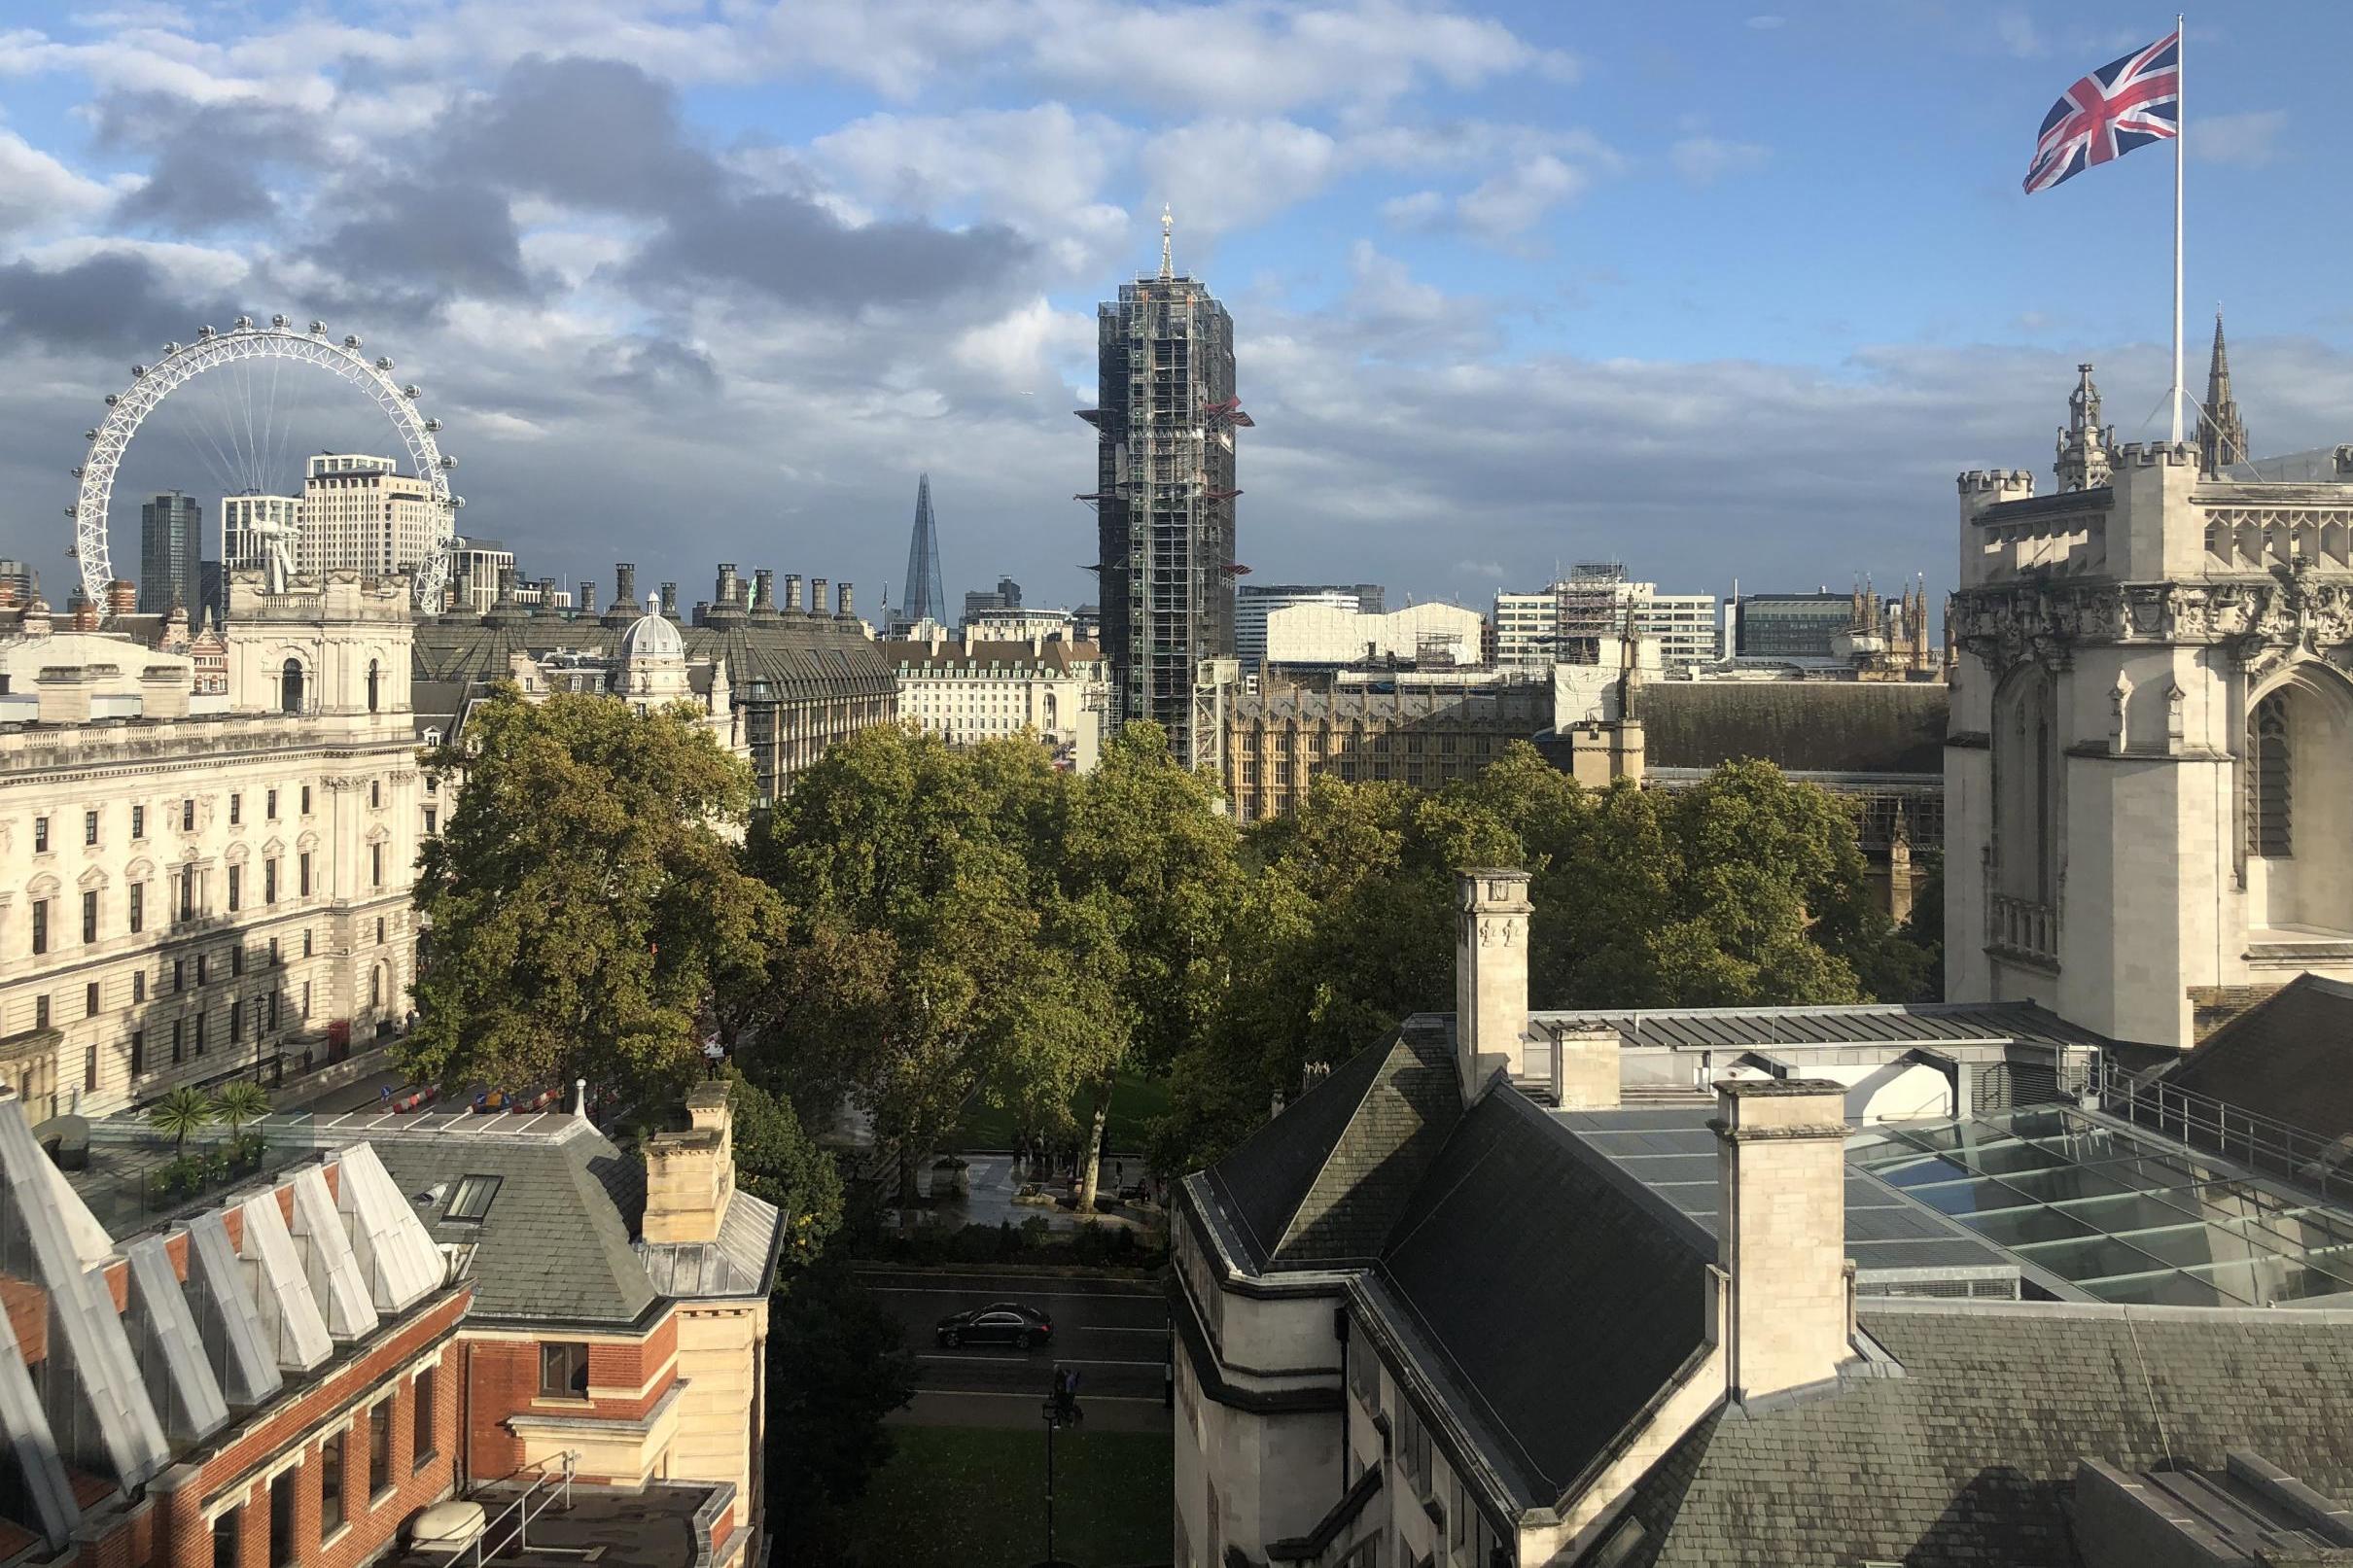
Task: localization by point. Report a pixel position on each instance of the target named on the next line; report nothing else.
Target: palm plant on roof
(180, 1112)
(239, 1101)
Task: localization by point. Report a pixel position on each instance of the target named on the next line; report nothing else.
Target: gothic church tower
(2221, 435)
(2149, 771)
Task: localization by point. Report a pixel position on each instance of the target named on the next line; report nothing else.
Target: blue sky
(1719, 290)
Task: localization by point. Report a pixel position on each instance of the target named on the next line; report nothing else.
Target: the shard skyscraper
(924, 599)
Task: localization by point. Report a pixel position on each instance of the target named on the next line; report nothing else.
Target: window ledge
(334, 1537)
(418, 1465)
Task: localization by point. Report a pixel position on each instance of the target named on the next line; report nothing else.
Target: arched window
(2270, 780)
(290, 687)
(371, 686)
(2026, 787)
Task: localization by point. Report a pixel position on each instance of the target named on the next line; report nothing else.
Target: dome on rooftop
(652, 635)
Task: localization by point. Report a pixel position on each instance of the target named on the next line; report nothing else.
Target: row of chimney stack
(757, 597)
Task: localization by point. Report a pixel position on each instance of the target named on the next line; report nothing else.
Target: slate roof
(555, 1242)
(1801, 726)
(1324, 1182)
(742, 1262)
(1558, 1294)
(2290, 1056)
(801, 656)
(1969, 1457)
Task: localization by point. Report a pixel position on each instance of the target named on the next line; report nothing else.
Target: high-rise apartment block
(361, 513)
(171, 545)
(1164, 418)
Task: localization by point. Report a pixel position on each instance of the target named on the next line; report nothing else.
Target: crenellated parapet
(2157, 454)
(2262, 621)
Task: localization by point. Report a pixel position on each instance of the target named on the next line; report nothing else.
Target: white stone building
(360, 513)
(1323, 633)
(967, 690)
(1255, 602)
(194, 890)
(2152, 732)
(1684, 625)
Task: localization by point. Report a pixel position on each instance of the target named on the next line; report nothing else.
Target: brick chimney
(122, 597)
(764, 588)
(791, 593)
(1781, 1231)
(817, 603)
(690, 1175)
(624, 584)
(843, 611)
(65, 697)
(1491, 972)
(163, 692)
(724, 594)
(669, 599)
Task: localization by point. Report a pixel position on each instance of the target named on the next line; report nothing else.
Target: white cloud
(1702, 160)
(1220, 175)
(2015, 31)
(1514, 201)
(39, 193)
(1420, 211)
(2248, 141)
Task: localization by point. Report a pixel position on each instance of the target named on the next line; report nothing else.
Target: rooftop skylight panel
(473, 1198)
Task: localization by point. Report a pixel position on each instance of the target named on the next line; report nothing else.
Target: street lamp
(1060, 1408)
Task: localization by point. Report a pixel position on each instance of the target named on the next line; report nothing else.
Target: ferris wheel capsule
(318, 329)
(278, 321)
(137, 371)
(448, 461)
(73, 511)
(410, 392)
(76, 471)
(113, 397)
(432, 427)
(351, 341)
(89, 434)
(244, 324)
(203, 332)
(383, 362)
(171, 349)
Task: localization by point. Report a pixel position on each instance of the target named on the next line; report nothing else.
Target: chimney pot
(725, 594)
(1781, 1231)
(764, 588)
(669, 599)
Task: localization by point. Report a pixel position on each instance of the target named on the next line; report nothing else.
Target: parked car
(997, 1323)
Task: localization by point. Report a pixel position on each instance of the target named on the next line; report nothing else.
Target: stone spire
(2221, 435)
(2086, 446)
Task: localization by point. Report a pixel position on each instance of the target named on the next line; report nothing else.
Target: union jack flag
(2123, 105)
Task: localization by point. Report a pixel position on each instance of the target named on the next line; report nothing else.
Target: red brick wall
(338, 1402)
(505, 1381)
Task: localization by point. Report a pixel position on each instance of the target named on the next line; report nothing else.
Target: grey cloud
(591, 133)
(113, 302)
(213, 162)
(796, 253)
(416, 245)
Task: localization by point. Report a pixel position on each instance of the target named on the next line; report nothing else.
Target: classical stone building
(198, 886)
(2152, 728)
(1781, 1287)
(797, 679)
(973, 689)
(393, 1311)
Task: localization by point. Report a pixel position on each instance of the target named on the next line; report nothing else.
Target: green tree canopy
(583, 898)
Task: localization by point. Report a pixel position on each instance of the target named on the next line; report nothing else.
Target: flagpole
(2180, 132)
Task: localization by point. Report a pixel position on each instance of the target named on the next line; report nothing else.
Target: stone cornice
(2261, 620)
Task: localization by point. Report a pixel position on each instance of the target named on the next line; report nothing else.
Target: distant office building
(1254, 603)
(249, 521)
(474, 565)
(925, 598)
(1790, 628)
(19, 583)
(1164, 418)
(1015, 625)
(1533, 630)
(361, 513)
(1006, 595)
(171, 544)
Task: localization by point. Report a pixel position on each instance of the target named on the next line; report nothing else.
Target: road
(1113, 1331)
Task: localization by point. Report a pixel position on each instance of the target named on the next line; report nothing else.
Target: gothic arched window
(371, 686)
(2270, 767)
(290, 687)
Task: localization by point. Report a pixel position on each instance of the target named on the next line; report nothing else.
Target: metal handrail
(2264, 1144)
(540, 1486)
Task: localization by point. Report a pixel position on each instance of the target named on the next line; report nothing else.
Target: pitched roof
(1749, 1028)
(1970, 1455)
(579, 1188)
(2286, 1057)
(1801, 726)
(1551, 1290)
(1324, 1182)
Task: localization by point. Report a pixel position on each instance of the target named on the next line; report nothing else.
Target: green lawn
(1133, 1103)
(975, 1497)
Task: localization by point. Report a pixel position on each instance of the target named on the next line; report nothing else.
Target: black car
(997, 1323)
